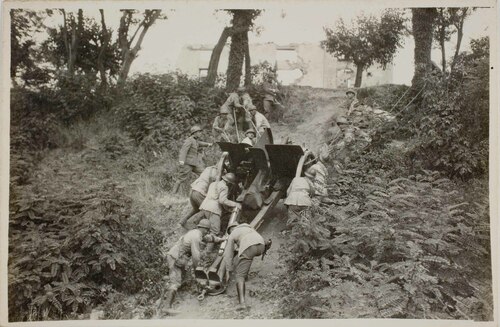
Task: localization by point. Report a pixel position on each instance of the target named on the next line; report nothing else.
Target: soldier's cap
(195, 128)
(350, 91)
(230, 178)
(204, 223)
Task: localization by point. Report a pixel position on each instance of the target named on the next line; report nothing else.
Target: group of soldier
(238, 116)
(210, 201)
(209, 198)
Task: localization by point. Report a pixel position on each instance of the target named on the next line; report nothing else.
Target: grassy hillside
(91, 217)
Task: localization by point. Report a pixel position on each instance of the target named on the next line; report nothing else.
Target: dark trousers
(195, 198)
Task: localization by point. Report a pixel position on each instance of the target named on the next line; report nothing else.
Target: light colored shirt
(246, 100)
(260, 122)
(298, 193)
(232, 101)
(201, 183)
(318, 174)
(243, 236)
(217, 197)
(189, 245)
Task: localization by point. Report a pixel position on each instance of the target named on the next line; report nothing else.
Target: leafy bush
(447, 129)
(412, 247)
(74, 237)
(162, 108)
(33, 119)
(384, 97)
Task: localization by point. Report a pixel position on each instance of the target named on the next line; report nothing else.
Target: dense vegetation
(409, 236)
(91, 166)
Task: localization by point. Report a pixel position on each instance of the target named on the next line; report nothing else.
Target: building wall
(304, 64)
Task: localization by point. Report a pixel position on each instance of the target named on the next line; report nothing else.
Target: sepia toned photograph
(280, 160)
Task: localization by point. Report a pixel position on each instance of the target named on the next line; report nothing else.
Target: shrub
(412, 246)
(162, 108)
(74, 238)
(447, 128)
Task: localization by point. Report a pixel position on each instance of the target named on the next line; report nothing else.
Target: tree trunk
(65, 34)
(359, 75)
(129, 54)
(237, 50)
(422, 23)
(72, 47)
(248, 66)
(460, 34)
(104, 46)
(215, 57)
(236, 58)
(442, 37)
(76, 32)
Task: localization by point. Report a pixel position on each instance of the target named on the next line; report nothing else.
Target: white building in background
(304, 64)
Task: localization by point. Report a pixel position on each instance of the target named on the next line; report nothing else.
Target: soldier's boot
(170, 298)
(185, 219)
(240, 289)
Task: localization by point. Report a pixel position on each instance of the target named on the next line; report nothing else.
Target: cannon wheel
(304, 163)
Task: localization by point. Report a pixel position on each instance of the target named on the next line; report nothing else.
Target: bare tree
(460, 14)
(105, 38)
(71, 43)
(129, 49)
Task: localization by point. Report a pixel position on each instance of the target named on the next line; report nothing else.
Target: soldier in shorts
(249, 244)
(188, 246)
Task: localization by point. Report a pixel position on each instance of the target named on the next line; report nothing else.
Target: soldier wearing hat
(249, 244)
(235, 106)
(187, 247)
(199, 190)
(189, 157)
(215, 203)
(270, 92)
(223, 126)
(352, 102)
(258, 120)
(249, 137)
(298, 197)
(318, 174)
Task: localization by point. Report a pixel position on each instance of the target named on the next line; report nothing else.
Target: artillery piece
(265, 172)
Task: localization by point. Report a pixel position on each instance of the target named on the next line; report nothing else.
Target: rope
(411, 101)
(236, 125)
(394, 106)
(226, 136)
(254, 127)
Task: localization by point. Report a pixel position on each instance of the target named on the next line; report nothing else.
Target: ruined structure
(305, 64)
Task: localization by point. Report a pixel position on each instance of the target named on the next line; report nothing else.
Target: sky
(296, 23)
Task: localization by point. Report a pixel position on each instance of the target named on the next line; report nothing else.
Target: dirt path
(265, 275)
(310, 133)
